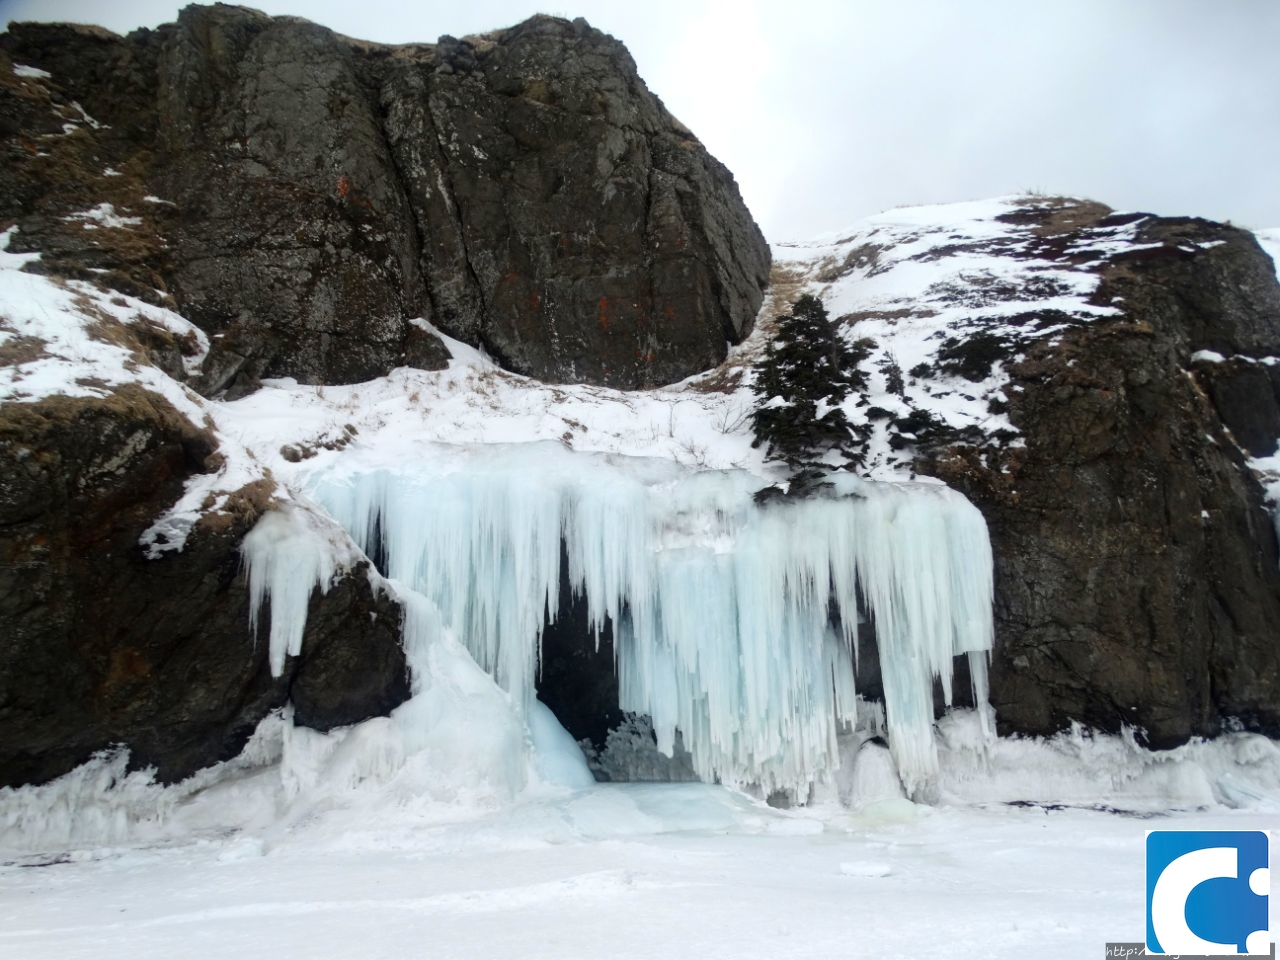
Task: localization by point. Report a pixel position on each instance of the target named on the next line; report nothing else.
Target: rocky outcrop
(1137, 569)
(102, 646)
(301, 196)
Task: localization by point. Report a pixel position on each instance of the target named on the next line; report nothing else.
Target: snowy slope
(946, 294)
(670, 871)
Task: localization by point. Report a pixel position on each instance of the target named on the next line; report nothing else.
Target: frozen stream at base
(627, 871)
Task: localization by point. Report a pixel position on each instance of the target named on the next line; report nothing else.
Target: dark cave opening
(577, 678)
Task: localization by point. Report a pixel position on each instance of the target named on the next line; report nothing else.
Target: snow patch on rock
(29, 72)
(948, 295)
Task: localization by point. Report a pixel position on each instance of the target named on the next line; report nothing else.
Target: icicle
(289, 551)
(720, 609)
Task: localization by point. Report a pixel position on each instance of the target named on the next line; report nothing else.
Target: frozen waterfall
(733, 623)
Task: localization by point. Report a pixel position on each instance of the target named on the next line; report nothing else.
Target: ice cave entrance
(732, 623)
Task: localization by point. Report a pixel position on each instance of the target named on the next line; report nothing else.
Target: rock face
(102, 646)
(301, 197)
(1137, 570)
(1103, 387)
(310, 194)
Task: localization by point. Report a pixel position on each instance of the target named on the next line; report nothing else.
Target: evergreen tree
(805, 376)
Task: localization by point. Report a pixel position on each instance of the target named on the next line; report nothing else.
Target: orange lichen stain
(127, 666)
(344, 186)
(604, 317)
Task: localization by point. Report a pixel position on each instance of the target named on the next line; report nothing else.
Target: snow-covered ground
(1036, 848)
(662, 871)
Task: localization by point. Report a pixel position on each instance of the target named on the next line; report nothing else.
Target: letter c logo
(1169, 898)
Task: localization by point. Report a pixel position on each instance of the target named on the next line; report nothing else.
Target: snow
(74, 359)
(104, 214)
(1001, 884)
(474, 403)
(73, 351)
(865, 868)
(333, 868)
(35, 73)
(85, 118)
(919, 281)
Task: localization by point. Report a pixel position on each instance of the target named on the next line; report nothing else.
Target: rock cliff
(306, 200)
(234, 197)
(102, 645)
(302, 196)
(1103, 387)
(1138, 566)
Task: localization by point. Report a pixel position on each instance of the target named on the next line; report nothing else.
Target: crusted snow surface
(623, 871)
(947, 295)
(69, 350)
(330, 845)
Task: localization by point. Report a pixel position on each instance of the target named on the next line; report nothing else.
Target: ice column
(288, 553)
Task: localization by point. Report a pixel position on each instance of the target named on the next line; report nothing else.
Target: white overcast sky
(828, 111)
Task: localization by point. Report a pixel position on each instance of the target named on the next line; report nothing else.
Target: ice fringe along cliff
(734, 624)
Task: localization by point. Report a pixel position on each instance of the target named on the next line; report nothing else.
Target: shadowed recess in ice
(734, 623)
